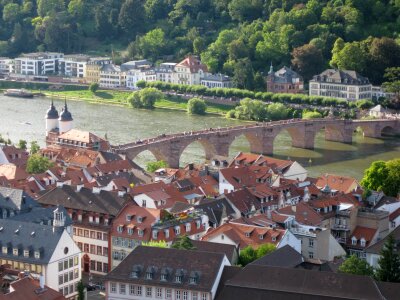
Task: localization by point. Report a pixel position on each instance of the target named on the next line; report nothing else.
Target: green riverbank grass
(120, 98)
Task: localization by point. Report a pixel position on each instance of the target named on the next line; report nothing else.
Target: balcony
(340, 227)
(343, 213)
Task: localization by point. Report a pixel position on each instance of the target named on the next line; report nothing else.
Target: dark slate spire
(52, 112)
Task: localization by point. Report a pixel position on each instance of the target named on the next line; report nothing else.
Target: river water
(122, 125)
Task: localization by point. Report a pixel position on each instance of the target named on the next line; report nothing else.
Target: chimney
(79, 187)
(21, 275)
(206, 169)
(59, 184)
(269, 213)
(191, 166)
(294, 208)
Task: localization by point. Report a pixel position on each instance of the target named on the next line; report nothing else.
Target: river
(122, 125)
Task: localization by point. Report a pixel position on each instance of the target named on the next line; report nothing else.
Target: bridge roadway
(261, 135)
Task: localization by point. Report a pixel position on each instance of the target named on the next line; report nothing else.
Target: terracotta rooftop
(193, 63)
(80, 136)
(246, 235)
(303, 214)
(12, 172)
(363, 232)
(336, 182)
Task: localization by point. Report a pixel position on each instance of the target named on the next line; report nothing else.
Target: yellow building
(93, 67)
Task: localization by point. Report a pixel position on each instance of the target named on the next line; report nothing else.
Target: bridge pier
(303, 136)
(342, 133)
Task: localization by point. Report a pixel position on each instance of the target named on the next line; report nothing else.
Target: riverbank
(119, 98)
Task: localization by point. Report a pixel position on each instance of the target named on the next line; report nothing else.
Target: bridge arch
(206, 145)
(389, 131)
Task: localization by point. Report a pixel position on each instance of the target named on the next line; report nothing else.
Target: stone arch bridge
(169, 147)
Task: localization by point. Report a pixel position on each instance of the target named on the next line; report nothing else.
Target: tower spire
(271, 68)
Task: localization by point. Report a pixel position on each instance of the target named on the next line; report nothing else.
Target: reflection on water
(122, 125)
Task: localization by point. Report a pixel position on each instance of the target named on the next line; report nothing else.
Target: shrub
(196, 106)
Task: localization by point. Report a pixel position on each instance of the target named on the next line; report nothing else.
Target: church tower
(65, 120)
(51, 118)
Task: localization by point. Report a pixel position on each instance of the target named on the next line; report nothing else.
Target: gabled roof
(361, 232)
(285, 257)
(103, 202)
(336, 182)
(35, 237)
(12, 172)
(303, 213)
(229, 250)
(216, 209)
(265, 282)
(204, 265)
(80, 136)
(43, 216)
(376, 248)
(243, 200)
(29, 289)
(15, 199)
(193, 63)
(246, 235)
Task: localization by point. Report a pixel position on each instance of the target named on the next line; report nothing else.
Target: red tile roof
(246, 235)
(29, 289)
(303, 214)
(193, 63)
(246, 176)
(363, 232)
(394, 215)
(12, 172)
(336, 182)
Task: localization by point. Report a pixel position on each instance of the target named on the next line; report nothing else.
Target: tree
(277, 111)
(34, 147)
(307, 60)
(132, 17)
(251, 110)
(154, 166)
(356, 266)
(389, 262)
(145, 98)
(93, 87)
(44, 7)
(81, 290)
(11, 12)
(183, 242)
(351, 57)
(243, 74)
(245, 10)
(152, 44)
(158, 244)
(383, 176)
(196, 106)
(392, 85)
(249, 254)
(22, 144)
(311, 115)
(38, 164)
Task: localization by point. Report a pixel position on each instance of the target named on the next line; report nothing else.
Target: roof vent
(16, 231)
(32, 234)
(1, 229)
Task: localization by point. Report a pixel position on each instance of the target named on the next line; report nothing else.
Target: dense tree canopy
(38, 164)
(237, 37)
(389, 261)
(383, 176)
(356, 266)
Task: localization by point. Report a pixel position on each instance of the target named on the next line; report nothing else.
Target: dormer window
(178, 278)
(128, 218)
(274, 239)
(130, 231)
(187, 227)
(247, 234)
(120, 228)
(155, 234)
(198, 224)
(15, 251)
(37, 254)
(149, 275)
(140, 232)
(26, 253)
(163, 277)
(139, 219)
(261, 236)
(4, 249)
(354, 240)
(362, 242)
(166, 232)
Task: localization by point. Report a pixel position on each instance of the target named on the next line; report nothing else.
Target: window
(149, 275)
(178, 279)
(149, 291)
(60, 266)
(159, 292)
(177, 295)
(139, 290)
(65, 264)
(261, 236)
(198, 224)
(122, 288)
(155, 233)
(310, 243)
(4, 250)
(60, 279)
(194, 295)
(177, 230)
(140, 232)
(185, 295)
(71, 276)
(15, 251)
(131, 289)
(144, 203)
(130, 230)
(120, 228)
(99, 236)
(76, 260)
(128, 217)
(311, 254)
(26, 253)
(113, 287)
(163, 277)
(362, 242)
(168, 294)
(76, 273)
(187, 227)
(354, 240)
(65, 277)
(204, 296)
(166, 232)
